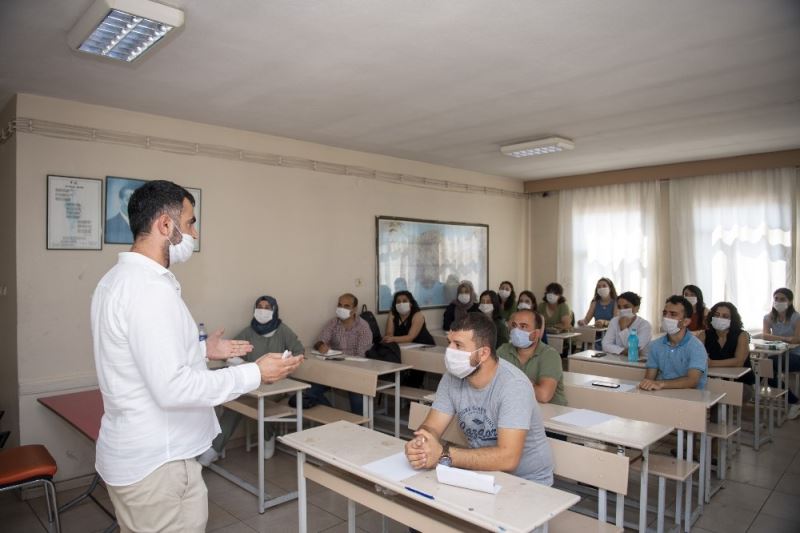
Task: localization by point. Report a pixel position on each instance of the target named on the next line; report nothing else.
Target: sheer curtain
(732, 235)
(609, 232)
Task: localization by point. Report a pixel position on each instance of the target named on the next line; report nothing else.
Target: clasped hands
(424, 450)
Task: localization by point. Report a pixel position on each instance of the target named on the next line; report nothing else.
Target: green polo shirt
(545, 363)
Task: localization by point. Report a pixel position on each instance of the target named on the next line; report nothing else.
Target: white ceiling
(633, 82)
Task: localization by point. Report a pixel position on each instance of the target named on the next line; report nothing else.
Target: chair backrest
(588, 335)
(598, 468)
(763, 365)
(733, 390)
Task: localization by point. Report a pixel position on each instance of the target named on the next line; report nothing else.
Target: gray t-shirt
(505, 403)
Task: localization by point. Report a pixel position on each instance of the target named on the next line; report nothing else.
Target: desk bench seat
(407, 393)
(322, 414)
(722, 430)
(248, 406)
(570, 521)
(666, 467)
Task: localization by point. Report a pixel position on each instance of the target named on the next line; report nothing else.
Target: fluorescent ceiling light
(123, 29)
(538, 147)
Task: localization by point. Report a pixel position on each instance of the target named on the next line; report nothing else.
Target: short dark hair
(354, 297)
(631, 297)
(736, 318)
(555, 288)
(538, 320)
(677, 299)
(153, 199)
(484, 332)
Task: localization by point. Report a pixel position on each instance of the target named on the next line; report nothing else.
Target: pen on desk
(415, 491)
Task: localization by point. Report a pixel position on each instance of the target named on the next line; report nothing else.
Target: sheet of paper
(329, 352)
(409, 345)
(583, 418)
(393, 468)
(466, 479)
(626, 387)
(355, 358)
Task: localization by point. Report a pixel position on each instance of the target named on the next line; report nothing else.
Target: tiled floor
(762, 494)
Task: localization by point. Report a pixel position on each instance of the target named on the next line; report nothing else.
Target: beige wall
(301, 236)
(9, 387)
(544, 241)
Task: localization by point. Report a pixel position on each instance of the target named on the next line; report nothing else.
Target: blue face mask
(520, 338)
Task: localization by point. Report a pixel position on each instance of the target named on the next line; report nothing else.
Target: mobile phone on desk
(605, 384)
(599, 354)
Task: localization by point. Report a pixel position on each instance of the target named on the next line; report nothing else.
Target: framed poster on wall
(74, 211)
(118, 193)
(429, 258)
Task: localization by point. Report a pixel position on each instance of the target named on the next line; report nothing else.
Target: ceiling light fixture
(549, 145)
(123, 29)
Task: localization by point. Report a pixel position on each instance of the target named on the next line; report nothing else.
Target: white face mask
(486, 308)
(669, 326)
(551, 298)
(458, 362)
(464, 298)
(262, 316)
(603, 292)
(780, 306)
(720, 324)
(524, 305)
(181, 252)
(504, 293)
(692, 300)
(403, 307)
(626, 313)
(342, 313)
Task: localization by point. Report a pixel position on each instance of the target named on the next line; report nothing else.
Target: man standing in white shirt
(158, 394)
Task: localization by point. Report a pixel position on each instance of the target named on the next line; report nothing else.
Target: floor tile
(724, 518)
(766, 523)
(784, 506)
(789, 484)
(284, 518)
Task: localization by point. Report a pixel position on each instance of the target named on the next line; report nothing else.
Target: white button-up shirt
(157, 391)
(616, 340)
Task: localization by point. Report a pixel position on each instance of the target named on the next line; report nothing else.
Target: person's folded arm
(610, 337)
(156, 327)
(504, 457)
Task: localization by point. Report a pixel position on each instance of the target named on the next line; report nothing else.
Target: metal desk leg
(705, 467)
(643, 491)
(351, 516)
(679, 486)
(397, 404)
(620, 515)
(260, 422)
(366, 410)
(687, 512)
(301, 493)
(757, 410)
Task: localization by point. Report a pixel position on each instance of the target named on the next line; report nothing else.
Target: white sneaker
(269, 448)
(794, 411)
(207, 457)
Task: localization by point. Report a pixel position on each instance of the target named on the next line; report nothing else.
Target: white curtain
(732, 236)
(609, 232)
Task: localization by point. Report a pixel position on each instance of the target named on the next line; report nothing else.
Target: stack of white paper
(583, 418)
(466, 479)
(393, 468)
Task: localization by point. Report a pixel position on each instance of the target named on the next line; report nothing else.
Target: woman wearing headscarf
(268, 334)
(466, 301)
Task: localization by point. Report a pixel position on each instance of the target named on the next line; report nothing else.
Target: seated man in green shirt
(540, 362)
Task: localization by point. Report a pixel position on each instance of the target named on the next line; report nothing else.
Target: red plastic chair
(31, 465)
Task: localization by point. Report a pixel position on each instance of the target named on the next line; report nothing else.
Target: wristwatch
(445, 458)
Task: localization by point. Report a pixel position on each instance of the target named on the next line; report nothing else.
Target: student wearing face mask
(348, 333)
(490, 306)
(615, 339)
(782, 323)
(540, 362)
(494, 404)
(603, 306)
(466, 301)
(725, 340)
(694, 296)
(405, 322)
(527, 300)
(268, 334)
(158, 393)
(557, 314)
(508, 299)
(678, 359)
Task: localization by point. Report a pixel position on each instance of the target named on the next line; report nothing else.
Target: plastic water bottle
(633, 346)
(203, 335)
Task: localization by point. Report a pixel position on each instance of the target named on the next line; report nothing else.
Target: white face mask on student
(403, 307)
(504, 293)
(486, 309)
(263, 316)
(603, 292)
(465, 298)
(458, 362)
(692, 300)
(626, 313)
(720, 324)
(669, 326)
(342, 313)
(182, 251)
(551, 298)
(524, 305)
(780, 306)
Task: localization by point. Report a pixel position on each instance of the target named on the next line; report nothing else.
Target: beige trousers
(172, 498)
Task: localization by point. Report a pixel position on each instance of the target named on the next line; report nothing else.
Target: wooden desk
(584, 362)
(345, 448)
(760, 350)
(360, 377)
(252, 405)
(567, 337)
(684, 409)
(426, 359)
(83, 411)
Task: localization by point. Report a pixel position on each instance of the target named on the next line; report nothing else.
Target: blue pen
(425, 494)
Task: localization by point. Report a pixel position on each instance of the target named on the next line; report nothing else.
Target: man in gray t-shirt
(495, 408)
